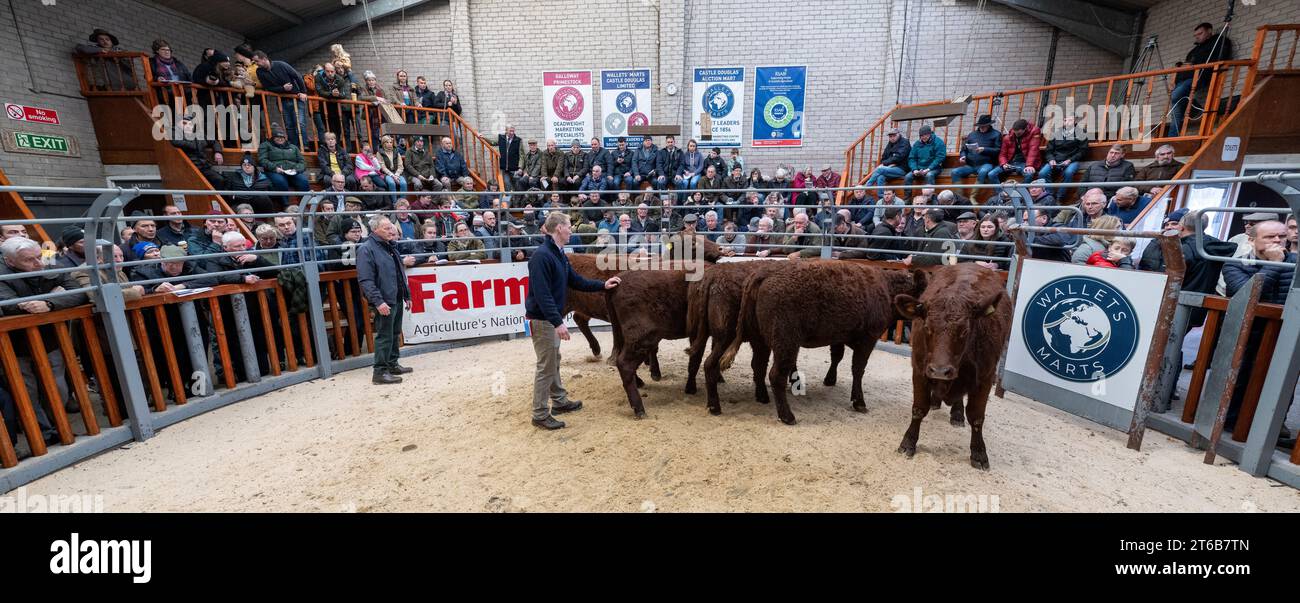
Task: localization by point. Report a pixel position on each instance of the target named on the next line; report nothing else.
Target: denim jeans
(285, 182)
(1066, 172)
(1178, 100)
(1018, 171)
(930, 178)
(294, 111)
(883, 173)
(981, 172)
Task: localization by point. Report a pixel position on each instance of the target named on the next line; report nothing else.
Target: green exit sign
(40, 144)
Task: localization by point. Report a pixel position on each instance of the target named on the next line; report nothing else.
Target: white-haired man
(381, 275)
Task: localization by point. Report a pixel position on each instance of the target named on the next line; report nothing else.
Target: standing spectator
(1093, 243)
(1020, 152)
(165, 66)
(1209, 47)
(281, 78)
(1065, 150)
(893, 159)
(447, 99)
(107, 73)
(550, 276)
(381, 274)
(404, 95)
(979, 153)
(283, 163)
(422, 96)
(177, 231)
(329, 116)
(211, 74)
(925, 158)
(23, 255)
(450, 166)
(1113, 169)
(508, 147)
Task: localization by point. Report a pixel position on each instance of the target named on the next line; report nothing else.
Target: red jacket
(1098, 258)
(1029, 140)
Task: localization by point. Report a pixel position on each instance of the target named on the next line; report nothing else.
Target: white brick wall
(851, 74)
(48, 35)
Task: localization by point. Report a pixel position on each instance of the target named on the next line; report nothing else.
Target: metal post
(247, 351)
(197, 349)
(315, 307)
(1147, 392)
(1172, 365)
(503, 243)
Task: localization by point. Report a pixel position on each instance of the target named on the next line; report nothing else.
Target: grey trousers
(546, 385)
(36, 391)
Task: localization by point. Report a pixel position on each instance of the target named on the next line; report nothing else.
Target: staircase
(1236, 88)
(12, 207)
(122, 96)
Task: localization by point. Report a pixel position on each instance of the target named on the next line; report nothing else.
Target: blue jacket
(549, 278)
(992, 143)
(645, 161)
(380, 272)
(1127, 216)
(597, 184)
(927, 156)
(450, 164)
(1277, 280)
(693, 163)
(281, 73)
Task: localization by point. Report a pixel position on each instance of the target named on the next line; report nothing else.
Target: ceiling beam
(1104, 27)
(277, 10)
(293, 43)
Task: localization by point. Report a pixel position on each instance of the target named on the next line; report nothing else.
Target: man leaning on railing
(23, 255)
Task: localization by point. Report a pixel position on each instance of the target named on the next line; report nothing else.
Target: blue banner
(625, 102)
(778, 106)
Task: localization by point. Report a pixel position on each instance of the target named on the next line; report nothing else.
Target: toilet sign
(1231, 145)
(37, 115)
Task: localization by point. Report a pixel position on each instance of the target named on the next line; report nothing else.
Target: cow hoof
(828, 381)
(907, 449)
(982, 464)
(936, 405)
(639, 382)
(690, 388)
(788, 421)
(640, 414)
(722, 379)
(715, 411)
(594, 358)
(958, 422)
(656, 376)
(860, 407)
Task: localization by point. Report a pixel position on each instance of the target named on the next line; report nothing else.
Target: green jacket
(813, 236)
(465, 249)
(419, 163)
(552, 165)
(532, 164)
(271, 156)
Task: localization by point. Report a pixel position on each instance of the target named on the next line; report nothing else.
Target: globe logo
(718, 100)
(626, 102)
(1080, 328)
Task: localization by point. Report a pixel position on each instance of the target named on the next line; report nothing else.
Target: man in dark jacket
(937, 230)
(23, 255)
(509, 147)
(1065, 150)
(196, 149)
(667, 163)
(645, 164)
(1209, 48)
(888, 233)
(1113, 169)
(926, 157)
(1163, 167)
(620, 165)
(893, 159)
(979, 153)
(282, 78)
(381, 274)
(549, 278)
(419, 167)
(598, 156)
(450, 166)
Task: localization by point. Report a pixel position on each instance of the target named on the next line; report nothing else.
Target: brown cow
(649, 306)
(960, 325)
(713, 312)
(813, 304)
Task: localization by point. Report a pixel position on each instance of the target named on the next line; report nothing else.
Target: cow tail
(748, 300)
(697, 322)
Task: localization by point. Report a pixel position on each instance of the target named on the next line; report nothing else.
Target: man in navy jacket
(381, 275)
(549, 278)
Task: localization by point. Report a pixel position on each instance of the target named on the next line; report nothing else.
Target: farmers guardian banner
(624, 102)
(566, 96)
(719, 92)
(466, 301)
(778, 106)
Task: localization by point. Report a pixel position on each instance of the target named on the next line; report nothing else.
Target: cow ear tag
(989, 310)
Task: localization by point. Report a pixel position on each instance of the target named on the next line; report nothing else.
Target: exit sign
(40, 144)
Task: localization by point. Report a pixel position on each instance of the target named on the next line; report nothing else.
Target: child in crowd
(1116, 256)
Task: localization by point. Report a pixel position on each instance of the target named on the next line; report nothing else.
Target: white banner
(1085, 329)
(624, 102)
(720, 92)
(566, 96)
(462, 302)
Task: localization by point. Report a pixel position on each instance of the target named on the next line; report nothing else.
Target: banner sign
(719, 92)
(466, 301)
(566, 95)
(39, 115)
(778, 106)
(624, 102)
(1085, 331)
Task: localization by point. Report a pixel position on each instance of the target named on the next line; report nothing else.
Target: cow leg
(837, 354)
(628, 363)
(860, 357)
(979, 456)
(713, 376)
(920, 408)
(654, 363)
(693, 367)
(958, 414)
(584, 325)
(783, 363)
(759, 365)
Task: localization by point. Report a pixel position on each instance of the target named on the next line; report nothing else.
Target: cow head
(942, 323)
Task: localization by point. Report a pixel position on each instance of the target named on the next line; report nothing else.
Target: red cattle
(813, 304)
(647, 307)
(960, 326)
